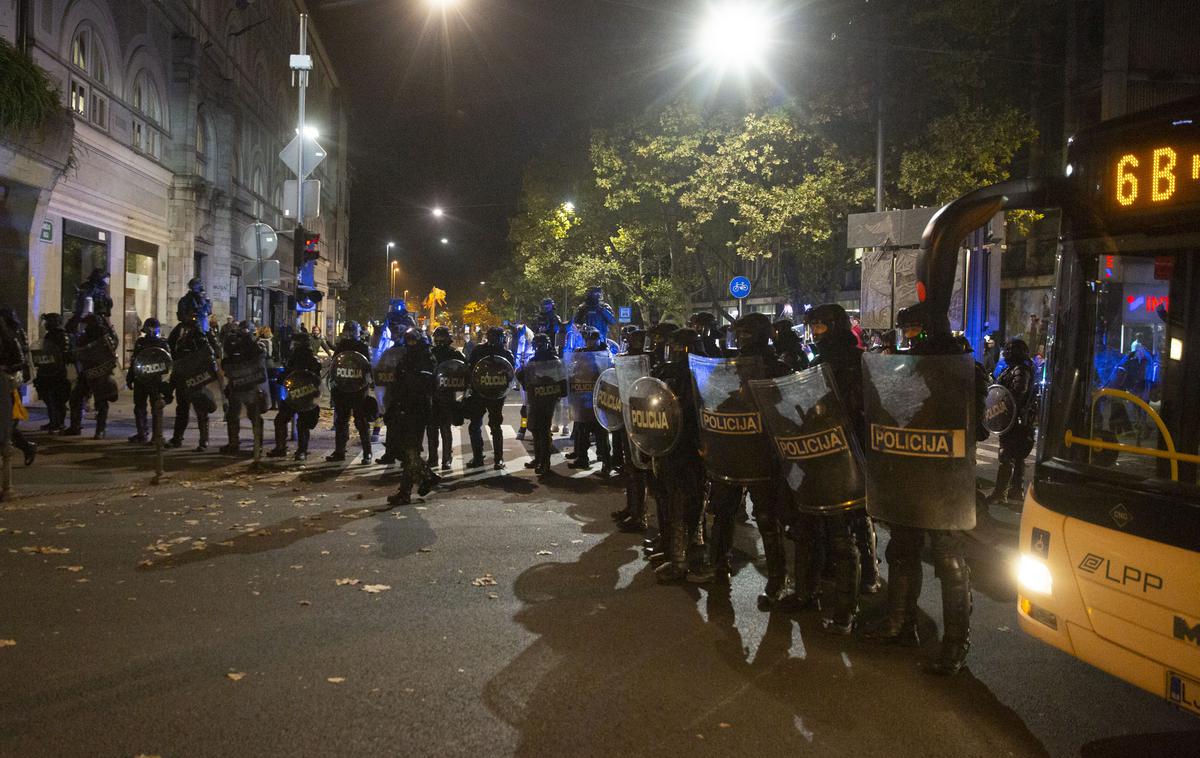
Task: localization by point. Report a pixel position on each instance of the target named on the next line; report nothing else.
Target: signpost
(739, 287)
(626, 314)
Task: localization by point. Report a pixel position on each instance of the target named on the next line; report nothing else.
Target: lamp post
(387, 251)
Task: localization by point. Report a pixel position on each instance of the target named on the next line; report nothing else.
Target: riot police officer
(243, 392)
(928, 334)
(142, 394)
(1017, 442)
(304, 410)
(92, 295)
(789, 346)
(188, 338)
(705, 324)
(93, 380)
(680, 473)
(632, 518)
(549, 323)
(51, 382)
(445, 407)
(194, 306)
(752, 333)
(847, 538)
(541, 406)
(409, 417)
(351, 399)
(476, 405)
(585, 430)
(596, 313)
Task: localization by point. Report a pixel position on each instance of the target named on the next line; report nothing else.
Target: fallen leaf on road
(324, 552)
(247, 501)
(344, 582)
(335, 679)
(45, 550)
(140, 494)
(296, 566)
(544, 552)
(723, 725)
(305, 602)
(425, 550)
(147, 755)
(375, 589)
(71, 568)
(236, 675)
(576, 542)
(493, 596)
(191, 521)
(146, 563)
(487, 580)
(7, 643)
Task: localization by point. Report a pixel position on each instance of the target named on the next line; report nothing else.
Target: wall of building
(181, 108)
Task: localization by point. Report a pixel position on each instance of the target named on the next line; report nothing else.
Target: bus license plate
(1183, 691)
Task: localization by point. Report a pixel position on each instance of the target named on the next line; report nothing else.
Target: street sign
(264, 246)
(739, 287)
(313, 155)
(270, 274)
(312, 198)
(626, 314)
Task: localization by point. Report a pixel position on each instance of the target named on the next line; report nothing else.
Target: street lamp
(438, 213)
(445, 241)
(734, 34)
(387, 251)
(442, 5)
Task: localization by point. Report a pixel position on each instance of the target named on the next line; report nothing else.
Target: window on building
(258, 187)
(198, 264)
(235, 290)
(89, 77)
(148, 119)
(201, 145)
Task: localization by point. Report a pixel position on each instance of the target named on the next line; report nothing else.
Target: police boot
(675, 569)
(181, 422)
(233, 426)
(870, 581)
(847, 576)
(403, 495)
(498, 449)
(340, 438)
(1000, 491)
(202, 426)
(142, 424)
(806, 578)
(776, 589)
(956, 617)
(904, 588)
(1016, 488)
(101, 421)
(366, 452)
(302, 444)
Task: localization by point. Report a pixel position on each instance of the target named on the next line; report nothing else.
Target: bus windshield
(1125, 393)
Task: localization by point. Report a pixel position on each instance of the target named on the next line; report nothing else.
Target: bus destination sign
(1159, 176)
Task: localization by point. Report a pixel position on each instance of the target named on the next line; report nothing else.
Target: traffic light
(306, 247)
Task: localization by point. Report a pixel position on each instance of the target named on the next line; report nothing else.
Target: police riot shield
(96, 359)
(811, 435)
(8, 389)
(999, 409)
(629, 369)
(302, 389)
(385, 374)
(350, 372)
(733, 442)
(584, 369)
(655, 417)
(491, 377)
(150, 367)
(246, 377)
(545, 380)
(195, 377)
(606, 399)
(920, 447)
(451, 378)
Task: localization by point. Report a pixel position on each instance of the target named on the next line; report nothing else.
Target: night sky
(447, 108)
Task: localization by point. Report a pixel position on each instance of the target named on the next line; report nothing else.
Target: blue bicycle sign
(739, 287)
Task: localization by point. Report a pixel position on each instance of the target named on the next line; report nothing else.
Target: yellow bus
(1109, 562)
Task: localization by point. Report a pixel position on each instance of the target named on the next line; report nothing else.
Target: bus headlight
(1033, 575)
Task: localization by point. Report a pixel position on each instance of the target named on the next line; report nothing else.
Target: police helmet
(659, 333)
(496, 336)
(195, 284)
(353, 330)
(1015, 351)
(703, 322)
(441, 336)
(53, 320)
(590, 334)
(680, 344)
(752, 332)
(541, 342)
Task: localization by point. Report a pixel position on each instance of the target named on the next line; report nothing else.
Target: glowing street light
(569, 207)
(438, 213)
(445, 241)
(734, 34)
(442, 5)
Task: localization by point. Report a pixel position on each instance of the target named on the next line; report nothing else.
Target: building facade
(179, 110)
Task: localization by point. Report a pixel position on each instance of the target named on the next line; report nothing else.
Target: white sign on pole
(269, 272)
(264, 246)
(313, 155)
(312, 198)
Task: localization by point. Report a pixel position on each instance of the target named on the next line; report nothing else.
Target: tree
(477, 313)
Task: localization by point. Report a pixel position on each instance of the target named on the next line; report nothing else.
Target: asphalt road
(211, 616)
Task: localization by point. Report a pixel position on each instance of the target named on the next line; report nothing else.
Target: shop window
(85, 248)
